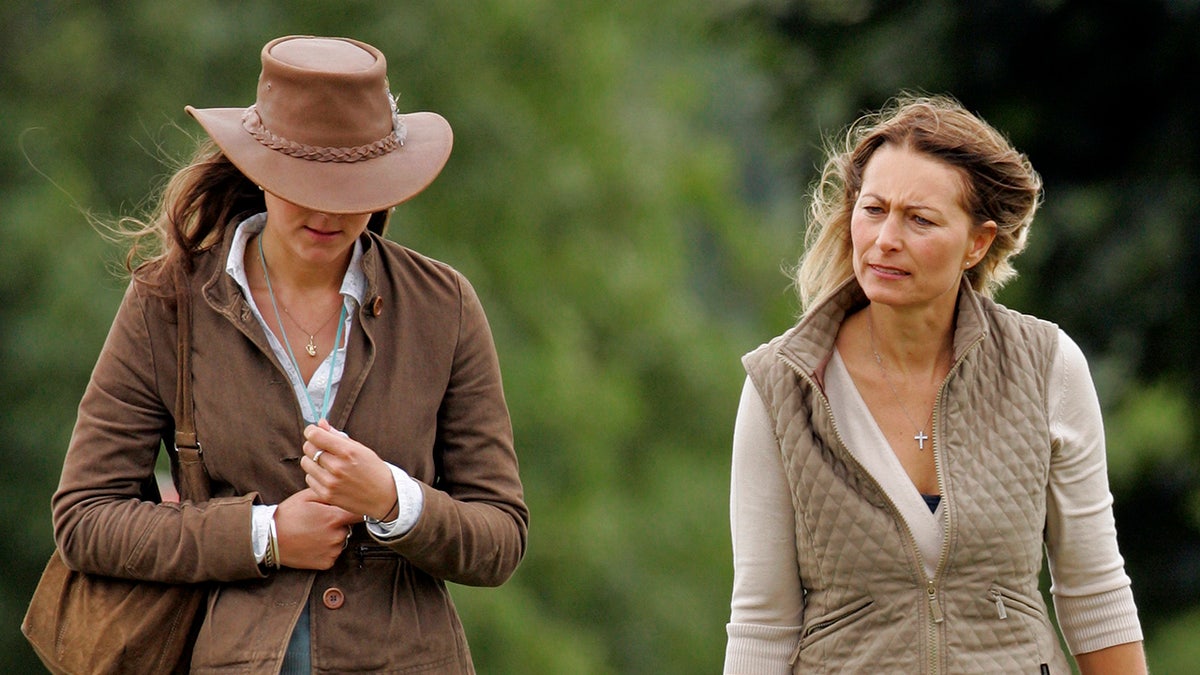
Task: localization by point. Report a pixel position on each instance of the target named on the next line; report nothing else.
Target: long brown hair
(191, 214)
(195, 209)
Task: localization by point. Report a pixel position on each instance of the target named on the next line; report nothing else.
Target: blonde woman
(905, 453)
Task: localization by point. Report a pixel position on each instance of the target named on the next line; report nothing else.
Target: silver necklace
(920, 436)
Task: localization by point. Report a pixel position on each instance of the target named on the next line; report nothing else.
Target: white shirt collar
(354, 284)
(329, 374)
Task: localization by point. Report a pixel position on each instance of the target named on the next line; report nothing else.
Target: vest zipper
(912, 540)
(931, 585)
(935, 610)
(935, 607)
(944, 554)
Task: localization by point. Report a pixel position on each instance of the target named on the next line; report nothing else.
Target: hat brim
(364, 186)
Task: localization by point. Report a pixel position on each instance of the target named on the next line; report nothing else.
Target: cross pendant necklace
(920, 436)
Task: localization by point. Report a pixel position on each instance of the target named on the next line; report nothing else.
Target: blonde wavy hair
(999, 184)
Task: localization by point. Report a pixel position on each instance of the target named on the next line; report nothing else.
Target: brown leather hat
(324, 132)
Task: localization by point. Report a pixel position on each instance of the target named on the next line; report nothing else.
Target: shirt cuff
(756, 649)
(1093, 622)
(260, 529)
(410, 501)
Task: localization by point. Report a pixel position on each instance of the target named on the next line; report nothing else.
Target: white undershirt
(1092, 596)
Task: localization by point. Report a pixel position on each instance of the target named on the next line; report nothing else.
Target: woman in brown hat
(347, 391)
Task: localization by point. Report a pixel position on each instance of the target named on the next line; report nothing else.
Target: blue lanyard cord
(325, 402)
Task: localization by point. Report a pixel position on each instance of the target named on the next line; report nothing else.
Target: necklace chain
(311, 347)
(325, 402)
(920, 436)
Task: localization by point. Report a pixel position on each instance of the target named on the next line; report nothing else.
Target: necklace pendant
(311, 347)
(920, 438)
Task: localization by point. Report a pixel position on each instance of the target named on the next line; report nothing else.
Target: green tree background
(626, 190)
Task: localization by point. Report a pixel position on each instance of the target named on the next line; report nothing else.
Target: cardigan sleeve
(767, 607)
(1093, 599)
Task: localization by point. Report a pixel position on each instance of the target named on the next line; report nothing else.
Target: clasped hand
(345, 473)
(346, 480)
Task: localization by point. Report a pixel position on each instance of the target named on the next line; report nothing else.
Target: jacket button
(377, 306)
(333, 598)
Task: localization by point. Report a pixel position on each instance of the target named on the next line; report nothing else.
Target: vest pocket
(1026, 622)
(1006, 601)
(831, 622)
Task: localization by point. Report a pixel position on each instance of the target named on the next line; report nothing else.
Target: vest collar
(809, 344)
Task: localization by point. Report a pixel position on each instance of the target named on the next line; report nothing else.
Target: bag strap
(194, 483)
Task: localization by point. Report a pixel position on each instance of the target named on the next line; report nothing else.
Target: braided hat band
(324, 132)
(253, 123)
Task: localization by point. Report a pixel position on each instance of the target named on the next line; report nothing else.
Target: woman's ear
(982, 237)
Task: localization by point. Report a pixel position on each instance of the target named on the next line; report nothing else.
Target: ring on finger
(317, 457)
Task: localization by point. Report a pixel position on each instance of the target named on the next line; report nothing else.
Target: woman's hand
(347, 474)
(311, 533)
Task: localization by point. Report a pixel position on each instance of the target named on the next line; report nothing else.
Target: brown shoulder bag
(86, 623)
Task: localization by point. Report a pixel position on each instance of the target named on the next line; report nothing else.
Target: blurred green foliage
(625, 192)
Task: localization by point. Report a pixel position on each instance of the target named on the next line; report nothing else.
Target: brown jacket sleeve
(474, 523)
(102, 523)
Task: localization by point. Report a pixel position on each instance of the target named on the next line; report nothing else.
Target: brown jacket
(421, 387)
(869, 605)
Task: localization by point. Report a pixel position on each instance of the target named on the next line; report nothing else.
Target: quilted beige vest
(869, 605)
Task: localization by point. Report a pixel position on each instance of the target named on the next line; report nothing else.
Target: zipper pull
(999, 600)
(934, 607)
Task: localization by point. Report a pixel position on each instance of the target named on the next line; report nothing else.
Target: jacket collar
(224, 295)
